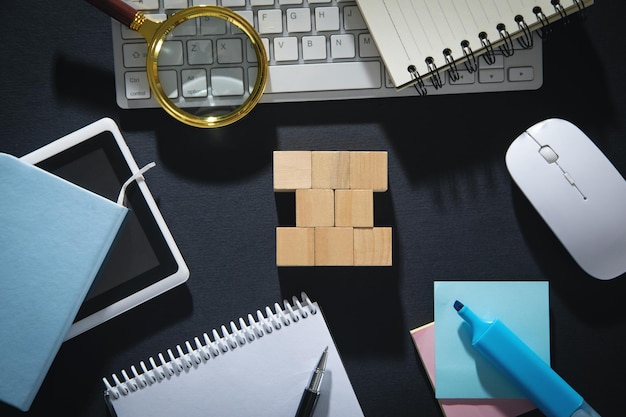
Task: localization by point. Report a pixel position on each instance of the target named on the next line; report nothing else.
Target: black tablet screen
(140, 255)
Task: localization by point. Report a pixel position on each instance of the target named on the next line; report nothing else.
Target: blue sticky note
(461, 371)
(54, 237)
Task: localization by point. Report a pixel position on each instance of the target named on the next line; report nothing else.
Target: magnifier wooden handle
(117, 9)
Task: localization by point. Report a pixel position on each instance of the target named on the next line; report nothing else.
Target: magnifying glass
(206, 65)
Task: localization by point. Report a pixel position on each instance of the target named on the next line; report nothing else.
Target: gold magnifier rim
(154, 48)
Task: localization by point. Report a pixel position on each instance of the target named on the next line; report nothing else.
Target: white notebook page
(407, 32)
(264, 377)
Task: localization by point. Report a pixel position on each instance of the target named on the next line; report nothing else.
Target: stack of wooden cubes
(334, 199)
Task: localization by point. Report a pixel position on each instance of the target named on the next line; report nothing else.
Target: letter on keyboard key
(286, 49)
(342, 46)
(327, 18)
(135, 54)
(352, 18)
(270, 21)
(199, 52)
(229, 51)
(298, 20)
(137, 86)
(194, 82)
(313, 47)
(319, 77)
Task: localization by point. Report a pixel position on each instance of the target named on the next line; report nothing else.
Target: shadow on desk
(595, 302)
(361, 304)
(69, 384)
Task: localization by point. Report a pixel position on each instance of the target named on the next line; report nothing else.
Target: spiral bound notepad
(255, 367)
(421, 40)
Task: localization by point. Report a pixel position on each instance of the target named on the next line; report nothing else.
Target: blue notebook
(54, 237)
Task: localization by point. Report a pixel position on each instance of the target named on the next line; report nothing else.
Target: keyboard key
(135, 54)
(143, 4)
(342, 46)
(174, 4)
(187, 28)
(491, 75)
(517, 74)
(227, 82)
(251, 53)
(199, 52)
(233, 3)
(169, 83)
(270, 21)
(320, 77)
(367, 47)
(137, 86)
(229, 51)
(212, 26)
(171, 54)
(194, 83)
(286, 49)
(352, 19)
(298, 20)
(465, 77)
(499, 62)
(326, 18)
(313, 47)
(246, 14)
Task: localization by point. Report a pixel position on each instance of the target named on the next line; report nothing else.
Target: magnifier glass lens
(207, 67)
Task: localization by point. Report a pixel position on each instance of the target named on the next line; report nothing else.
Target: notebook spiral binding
(504, 44)
(191, 357)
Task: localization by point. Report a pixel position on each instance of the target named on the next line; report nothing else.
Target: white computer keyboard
(318, 50)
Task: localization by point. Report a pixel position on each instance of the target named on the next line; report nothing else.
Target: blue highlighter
(535, 378)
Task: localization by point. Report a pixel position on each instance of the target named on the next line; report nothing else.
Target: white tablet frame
(162, 285)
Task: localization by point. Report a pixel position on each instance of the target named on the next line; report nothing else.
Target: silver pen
(312, 391)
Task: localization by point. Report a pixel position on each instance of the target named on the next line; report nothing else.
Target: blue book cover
(54, 236)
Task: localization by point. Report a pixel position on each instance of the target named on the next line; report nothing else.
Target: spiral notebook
(257, 367)
(419, 40)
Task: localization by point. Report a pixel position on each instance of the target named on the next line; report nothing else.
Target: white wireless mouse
(576, 190)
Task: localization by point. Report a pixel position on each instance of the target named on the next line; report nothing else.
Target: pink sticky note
(424, 339)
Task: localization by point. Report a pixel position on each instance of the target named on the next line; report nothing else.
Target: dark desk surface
(455, 212)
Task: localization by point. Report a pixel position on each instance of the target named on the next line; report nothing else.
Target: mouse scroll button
(548, 154)
(569, 178)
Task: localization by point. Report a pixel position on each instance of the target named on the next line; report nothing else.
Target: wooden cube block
(354, 208)
(315, 207)
(330, 169)
(372, 246)
(292, 170)
(295, 246)
(334, 246)
(368, 170)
